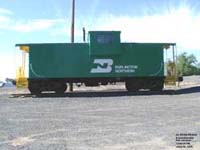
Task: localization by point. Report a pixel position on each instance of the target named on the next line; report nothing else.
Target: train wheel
(34, 88)
(157, 85)
(61, 89)
(131, 87)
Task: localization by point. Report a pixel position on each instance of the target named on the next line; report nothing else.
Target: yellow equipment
(171, 67)
(21, 79)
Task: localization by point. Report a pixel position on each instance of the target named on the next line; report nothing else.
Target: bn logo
(103, 66)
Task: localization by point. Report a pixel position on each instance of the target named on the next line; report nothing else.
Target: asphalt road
(110, 120)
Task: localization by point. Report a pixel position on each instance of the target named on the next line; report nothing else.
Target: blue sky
(44, 21)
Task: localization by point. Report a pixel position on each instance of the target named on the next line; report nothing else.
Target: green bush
(187, 65)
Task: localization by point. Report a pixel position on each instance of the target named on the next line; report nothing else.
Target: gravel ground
(110, 119)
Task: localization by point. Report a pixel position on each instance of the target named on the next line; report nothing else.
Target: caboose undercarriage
(59, 86)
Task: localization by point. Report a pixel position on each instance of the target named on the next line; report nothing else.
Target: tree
(187, 65)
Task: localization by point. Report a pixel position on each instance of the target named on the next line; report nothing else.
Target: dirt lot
(110, 119)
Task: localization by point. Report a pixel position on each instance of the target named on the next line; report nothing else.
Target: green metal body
(104, 56)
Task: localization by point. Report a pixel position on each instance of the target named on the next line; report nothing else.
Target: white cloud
(36, 25)
(4, 18)
(5, 11)
(4, 21)
(60, 32)
(178, 26)
(7, 67)
(7, 22)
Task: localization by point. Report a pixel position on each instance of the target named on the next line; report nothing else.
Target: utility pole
(72, 34)
(73, 21)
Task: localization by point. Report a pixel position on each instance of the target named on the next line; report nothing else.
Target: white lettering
(126, 68)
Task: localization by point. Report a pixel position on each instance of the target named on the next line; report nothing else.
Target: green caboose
(103, 60)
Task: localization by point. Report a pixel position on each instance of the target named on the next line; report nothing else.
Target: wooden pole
(72, 34)
(73, 21)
